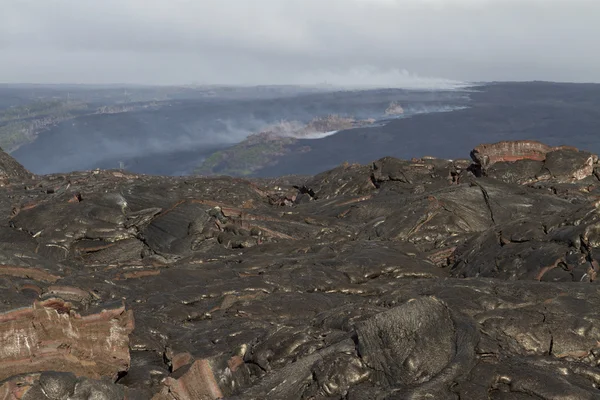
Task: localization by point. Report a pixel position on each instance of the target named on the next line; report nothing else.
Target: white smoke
(370, 77)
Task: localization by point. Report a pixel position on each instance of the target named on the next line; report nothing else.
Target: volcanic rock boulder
(527, 331)
(489, 154)
(418, 343)
(11, 171)
(525, 162)
(64, 386)
(49, 336)
(194, 382)
(568, 165)
(172, 231)
(60, 223)
(399, 344)
(520, 172)
(329, 371)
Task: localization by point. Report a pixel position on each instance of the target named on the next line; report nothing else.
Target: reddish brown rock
(179, 360)
(216, 377)
(509, 151)
(136, 274)
(528, 162)
(488, 154)
(197, 383)
(16, 388)
(28, 272)
(50, 336)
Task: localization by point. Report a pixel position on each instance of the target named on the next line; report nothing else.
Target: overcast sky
(370, 42)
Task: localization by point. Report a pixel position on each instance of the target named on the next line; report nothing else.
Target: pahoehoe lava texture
(403, 279)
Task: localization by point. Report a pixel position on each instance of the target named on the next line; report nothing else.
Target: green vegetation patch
(245, 158)
(21, 125)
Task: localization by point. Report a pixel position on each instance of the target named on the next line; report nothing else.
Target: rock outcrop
(49, 336)
(421, 278)
(488, 154)
(529, 161)
(11, 170)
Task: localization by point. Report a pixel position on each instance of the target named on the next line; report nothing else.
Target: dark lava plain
(421, 279)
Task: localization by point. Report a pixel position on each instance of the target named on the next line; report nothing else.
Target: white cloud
(168, 41)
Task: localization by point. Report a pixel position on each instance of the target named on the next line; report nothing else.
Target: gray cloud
(346, 42)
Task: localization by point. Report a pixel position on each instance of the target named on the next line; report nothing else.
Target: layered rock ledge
(403, 279)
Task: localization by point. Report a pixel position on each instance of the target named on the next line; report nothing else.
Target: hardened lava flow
(420, 279)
